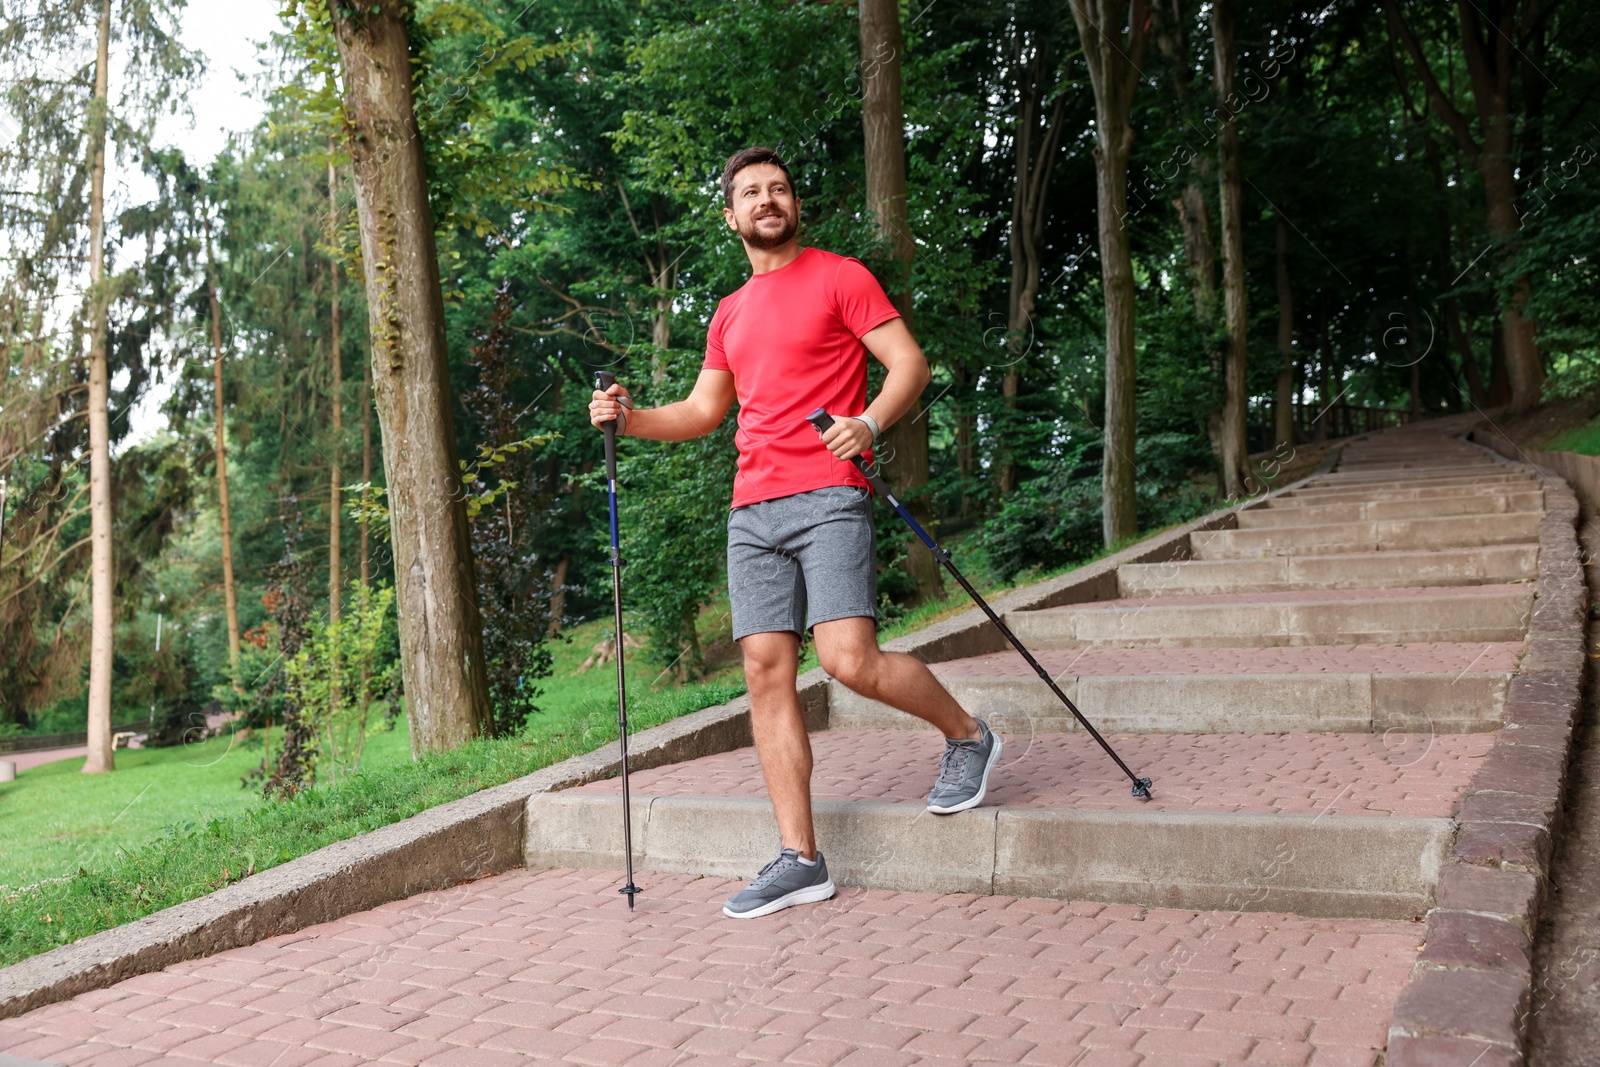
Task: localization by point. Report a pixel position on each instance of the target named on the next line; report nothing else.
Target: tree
(1035, 146)
(100, 758)
(905, 444)
(1113, 57)
(1283, 394)
(335, 393)
(1231, 194)
(224, 512)
(1492, 60)
(441, 636)
(58, 229)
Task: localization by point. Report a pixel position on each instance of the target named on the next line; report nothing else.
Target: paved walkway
(549, 965)
(1255, 685)
(38, 758)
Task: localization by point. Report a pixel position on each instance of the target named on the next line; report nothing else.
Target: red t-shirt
(792, 338)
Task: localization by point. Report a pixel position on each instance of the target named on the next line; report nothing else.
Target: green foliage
(673, 507)
(339, 671)
(1056, 519)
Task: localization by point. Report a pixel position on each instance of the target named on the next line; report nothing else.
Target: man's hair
(749, 157)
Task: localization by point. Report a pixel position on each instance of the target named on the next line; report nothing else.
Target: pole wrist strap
(872, 424)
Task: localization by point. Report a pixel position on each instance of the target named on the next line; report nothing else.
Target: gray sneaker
(964, 772)
(781, 884)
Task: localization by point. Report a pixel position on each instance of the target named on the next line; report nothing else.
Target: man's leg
(848, 650)
(770, 663)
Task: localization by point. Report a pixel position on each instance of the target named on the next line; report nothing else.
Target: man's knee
(767, 662)
(854, 665)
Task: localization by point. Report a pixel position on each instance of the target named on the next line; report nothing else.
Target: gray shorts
(799, 560)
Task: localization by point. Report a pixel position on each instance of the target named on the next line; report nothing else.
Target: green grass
(1585, 440)
(210, 847)
(54, 820)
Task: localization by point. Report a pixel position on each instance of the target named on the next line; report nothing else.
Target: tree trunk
(1194, 217)
(441, 633)
(1450, 309)
(101, 573)
(336, 435)
(1034, 150)
(1283, 400)
(335, 394)
(1490, 73)
(966, 437)
(1463, 343)
(905, 444)
(1235, 402)
(558, 596)
(1499, 375)
(230, 596)
(366, 474)
(1323, 346)
(1490, 67)
(1113, 60)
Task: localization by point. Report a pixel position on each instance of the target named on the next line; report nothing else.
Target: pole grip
(603, 380)
(820, 421)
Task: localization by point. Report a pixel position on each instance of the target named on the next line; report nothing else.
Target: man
(800, 547)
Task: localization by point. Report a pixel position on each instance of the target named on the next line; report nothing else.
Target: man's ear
(727, 214)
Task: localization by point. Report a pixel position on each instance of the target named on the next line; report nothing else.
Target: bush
(1055, 519)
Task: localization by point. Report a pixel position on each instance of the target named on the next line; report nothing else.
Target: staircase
(1311, 692)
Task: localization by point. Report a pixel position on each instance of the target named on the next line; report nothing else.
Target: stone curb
(1469, 999)
(483, 834)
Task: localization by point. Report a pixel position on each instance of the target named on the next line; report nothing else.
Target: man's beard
(768, 239)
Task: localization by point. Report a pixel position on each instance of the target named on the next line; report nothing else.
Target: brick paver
(564, 973)
(1298, 773)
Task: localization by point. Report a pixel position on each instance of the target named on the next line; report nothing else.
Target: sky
(220, 103)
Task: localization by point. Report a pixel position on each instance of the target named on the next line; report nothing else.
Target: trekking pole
(604, 380)
(822, 420)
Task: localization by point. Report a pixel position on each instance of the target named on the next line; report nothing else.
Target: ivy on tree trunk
(441, 637)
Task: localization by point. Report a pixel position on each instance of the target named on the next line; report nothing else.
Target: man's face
(764, 211)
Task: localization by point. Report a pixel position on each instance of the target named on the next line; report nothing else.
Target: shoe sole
(811, 894)
(983, 785)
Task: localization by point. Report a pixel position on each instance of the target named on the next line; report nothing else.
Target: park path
(1311, 694)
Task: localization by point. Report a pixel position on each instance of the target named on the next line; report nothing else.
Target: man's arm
(694, 416)
(892, 345)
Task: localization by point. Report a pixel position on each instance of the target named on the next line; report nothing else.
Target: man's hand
(611, 405)
(848, 437)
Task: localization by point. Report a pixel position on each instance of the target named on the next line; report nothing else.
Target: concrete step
(1260, 517)
(1443, 476)
(1334, 866)
(1485, 613)
(1376, 535)
(1312, 823)
(1320, 497)
(1433, 688)
(1412, 458)
(1349, 570)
